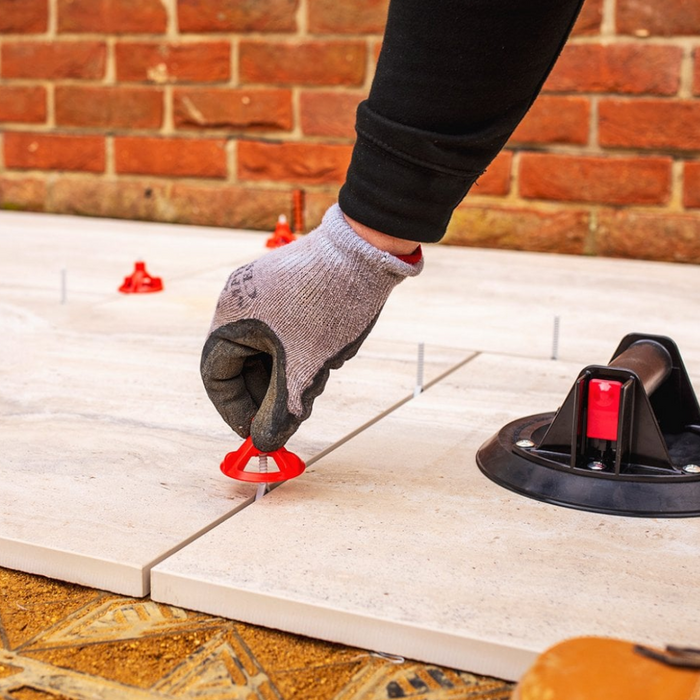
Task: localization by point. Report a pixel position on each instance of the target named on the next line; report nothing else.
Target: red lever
(140, 282)
(603, 409)
(287, 462)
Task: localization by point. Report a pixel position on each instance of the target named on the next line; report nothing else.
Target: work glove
(287, 319)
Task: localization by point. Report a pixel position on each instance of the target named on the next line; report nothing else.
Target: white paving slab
(110, 448)
(506, 301)
(396, 542)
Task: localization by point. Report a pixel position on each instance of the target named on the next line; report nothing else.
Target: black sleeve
(454, 79)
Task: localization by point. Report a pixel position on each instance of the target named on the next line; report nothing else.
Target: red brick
(117, 199)
(170, 157)
(205, 62)
(22, 194)
(622, 68)
(555, 119)
(590, 18)
(109, 107)
(112, 16)
(691, 189)
(237, 15)
(233, 207)
(650, 236)
(54, 152)
(329, 113)
(307, 163)
(555, 231)
(496, 179)
(252, 110)
(649, 123)
(54, 59)
(595, 179)
(653, 18)
(357, 17)
(303, 63)
(23, 16)
(22, 104)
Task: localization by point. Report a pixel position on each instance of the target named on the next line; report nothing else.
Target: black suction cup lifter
(626, 440)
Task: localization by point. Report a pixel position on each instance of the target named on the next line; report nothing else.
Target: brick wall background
(213, 111)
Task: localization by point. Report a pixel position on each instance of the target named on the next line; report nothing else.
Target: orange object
(595, 668)
(298, 198)
(140, 282)
(282, 235)
(288, 464)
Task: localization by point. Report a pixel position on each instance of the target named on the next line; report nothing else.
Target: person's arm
(454, 79)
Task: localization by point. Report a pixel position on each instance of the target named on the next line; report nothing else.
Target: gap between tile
(389, 410)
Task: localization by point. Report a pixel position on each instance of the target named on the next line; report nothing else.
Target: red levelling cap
(603, 409)
(140, 282)
(287, 462)
(282, 235)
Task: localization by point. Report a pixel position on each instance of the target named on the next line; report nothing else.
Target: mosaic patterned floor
(60, 641)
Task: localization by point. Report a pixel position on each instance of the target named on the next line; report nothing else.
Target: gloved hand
(284, 321)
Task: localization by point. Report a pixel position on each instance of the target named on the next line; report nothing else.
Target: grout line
(592, 145)
(110, 76)
(607, 26)
(50, 106)
(513, 194)
(302, 15)
(171, 29)
(591, 237)
(110, 168)
(390, 410)
(168, 125)
(235, 79)
(685, 85)
(185, 543)
(675, 199)
(52, 24)
(296, 133)
(232, 160)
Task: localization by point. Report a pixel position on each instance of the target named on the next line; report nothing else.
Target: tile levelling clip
(288, 464)
(140, 281)
(282, 235)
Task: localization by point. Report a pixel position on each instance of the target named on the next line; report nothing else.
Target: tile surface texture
(110, 446)
(505, 302)
(395, 541)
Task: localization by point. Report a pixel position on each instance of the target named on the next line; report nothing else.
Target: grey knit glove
(284, 321)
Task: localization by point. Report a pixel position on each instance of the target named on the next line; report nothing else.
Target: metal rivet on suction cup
(596, 466)
(525, 444)
(692, 468)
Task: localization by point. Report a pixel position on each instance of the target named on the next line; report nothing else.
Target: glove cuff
(345, 243)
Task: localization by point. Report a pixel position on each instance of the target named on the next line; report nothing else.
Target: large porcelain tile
(396, 542)
(505, 302)
(99, 253)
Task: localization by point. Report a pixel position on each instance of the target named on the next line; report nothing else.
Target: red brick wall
(214, 111)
